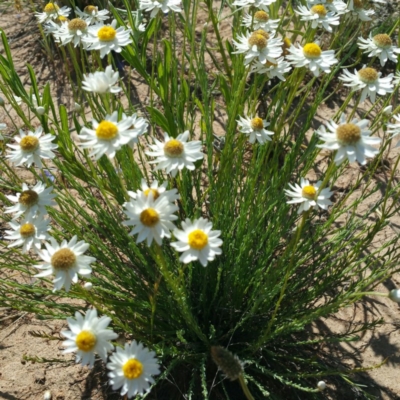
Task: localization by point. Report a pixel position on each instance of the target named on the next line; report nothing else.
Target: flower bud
(388, 110)
(88, 286)
(395, 295)
(40, 110)
(227, 362)
(321, 385)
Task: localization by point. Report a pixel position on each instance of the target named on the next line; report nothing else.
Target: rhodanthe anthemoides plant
(213, 221)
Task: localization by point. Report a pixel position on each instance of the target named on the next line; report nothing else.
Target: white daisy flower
(381, 46)
(106, 38)
(258, 45)
(351, 140)
(394, 129)
(31, 147)
(132, 369)
(151, 218)
(2, 128)
(32, 202)
(308, 195)
(107, 136)
(73, 31)
(357, 9)
(175, 154)
(88, 335)
(159, 5)
(254, 128)
(260, 20)
(337, 6)
(197, 241)
(102, 81)
(65, 262)
(312, 57)
(156, 190)
(27, 233)
(139, 126)
(52, 11)
(92, 15)
(319, 16)
(369, 81)
(272, 70)
(263, 4)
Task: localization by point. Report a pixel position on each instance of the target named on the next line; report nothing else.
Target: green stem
(245, 389)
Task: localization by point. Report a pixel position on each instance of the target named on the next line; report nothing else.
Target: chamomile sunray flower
(312, 57)
(381, 46)
(394, 129)
(254, 128)
(139, 127)
(150, 217)
(175, 154)
(357, 9)
(28, 233)
(258, 45)
(65, 261)
(52, 11)
(88, 335)
(31, 202)
(107, 136)
(273, 70)
(260, 20)
(31, 147)
(351, 140)
(319, 16)
(369, 81)
(156, 190)
(197, 241)
(73, 32)
(102, 81)
(308, 195)
(159, 5)
(131, 369)
(337, 6)
(107, 37)
(263, 4)
(92, 15)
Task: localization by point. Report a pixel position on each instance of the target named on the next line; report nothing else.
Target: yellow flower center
(106, 130)
(262, 33)
(63, 259)
(106, 34)
(29, 143)
(27, 230)
(77, 24)
(28, 198)
(259, 40)
(382, 40)
(156, 195)
(61, 18)
(173, 148)
(309, 192)
(319, 9)
(51, 8)
(149, 217)
(90, 9)
(286, 45)
(86, 341)
(132, 369)
(348, 134)
(261, 16)
(312, 50)
(257, 123)
(368, 75)
(197, 239)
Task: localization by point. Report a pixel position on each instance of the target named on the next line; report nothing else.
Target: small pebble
(47, 395)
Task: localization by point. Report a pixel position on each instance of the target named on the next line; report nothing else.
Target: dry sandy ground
(22, 378)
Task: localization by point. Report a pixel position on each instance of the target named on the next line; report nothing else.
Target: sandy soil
(31, 365)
